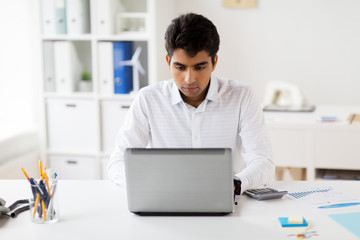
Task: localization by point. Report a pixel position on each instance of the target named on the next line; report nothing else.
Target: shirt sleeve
(135, 132)
(256, 147)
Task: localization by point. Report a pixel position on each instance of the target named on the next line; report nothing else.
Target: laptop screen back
(179, 180)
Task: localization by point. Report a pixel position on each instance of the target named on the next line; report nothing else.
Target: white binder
(60, 16)
(48, 16)
(49, 76)
(66, 65)
(106, 16)
(106, 68)
(78, 16)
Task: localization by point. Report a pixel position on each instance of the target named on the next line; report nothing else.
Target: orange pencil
(22, 169)
(40, 168)
(43, 210)
(47, 183)
(36, 203)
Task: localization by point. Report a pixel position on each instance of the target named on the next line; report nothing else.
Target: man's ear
(215, 62)
(168, 59)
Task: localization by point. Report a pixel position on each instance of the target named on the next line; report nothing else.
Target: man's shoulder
(162, 88)
(229, 85)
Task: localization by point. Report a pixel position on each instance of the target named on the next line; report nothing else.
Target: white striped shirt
(229, 117)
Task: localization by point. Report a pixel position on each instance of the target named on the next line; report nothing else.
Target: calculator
(265, 193)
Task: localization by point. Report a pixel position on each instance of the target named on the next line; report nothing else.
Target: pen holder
(44, 207)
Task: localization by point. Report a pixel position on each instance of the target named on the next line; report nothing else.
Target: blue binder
(60, 17)
(123, 77)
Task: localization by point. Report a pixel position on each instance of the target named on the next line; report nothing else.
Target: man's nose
(190, 76)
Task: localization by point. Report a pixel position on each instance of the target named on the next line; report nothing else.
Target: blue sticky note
(350, 221)
(284, 221)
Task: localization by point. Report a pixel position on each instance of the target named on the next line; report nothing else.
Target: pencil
(40, 168)
(22, 169)
(47, 183)
(36, 204)
(43, 209)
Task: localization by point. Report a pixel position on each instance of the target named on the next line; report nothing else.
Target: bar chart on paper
(324, 198)
(305, 193)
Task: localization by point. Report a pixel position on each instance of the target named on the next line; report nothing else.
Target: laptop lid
(179, 180)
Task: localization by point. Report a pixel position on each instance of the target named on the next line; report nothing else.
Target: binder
(67, 67)
(48, 16)
(122, 74)
(78, 16)
(60, 16)
(48, 60)
(106, 15)
(106, 68)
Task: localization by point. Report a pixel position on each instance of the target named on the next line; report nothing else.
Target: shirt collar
(211, 95)
(175, 94)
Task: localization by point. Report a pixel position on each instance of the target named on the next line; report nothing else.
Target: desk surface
(98, 210)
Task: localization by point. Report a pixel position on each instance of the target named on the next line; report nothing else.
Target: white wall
(312, 43)
(19, 59)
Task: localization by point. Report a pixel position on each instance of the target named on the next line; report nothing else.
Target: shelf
(82, 125)
(337, 174)
(75, 154)
(77, 95)
(124, 97)
(65, 37)
(133, 15)
(125, 36)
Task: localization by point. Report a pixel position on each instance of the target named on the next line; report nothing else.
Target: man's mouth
(190, 89)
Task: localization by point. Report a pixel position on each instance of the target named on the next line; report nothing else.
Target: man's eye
(181, 68)
(199, 68)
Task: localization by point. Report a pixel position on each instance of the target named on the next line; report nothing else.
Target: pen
(338, 205)
(37, 185)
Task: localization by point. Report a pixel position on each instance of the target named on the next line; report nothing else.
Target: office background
(313, 44)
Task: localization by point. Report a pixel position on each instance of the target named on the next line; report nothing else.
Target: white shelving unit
(79, 128)
(299, 140)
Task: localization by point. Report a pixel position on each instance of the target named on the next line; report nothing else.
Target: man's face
(191, 74)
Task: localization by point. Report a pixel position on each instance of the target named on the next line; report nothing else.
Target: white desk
(98, 210)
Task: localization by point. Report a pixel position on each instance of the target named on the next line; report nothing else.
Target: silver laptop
(179, 181)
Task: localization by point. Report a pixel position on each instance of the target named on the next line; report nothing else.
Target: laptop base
(181, 214)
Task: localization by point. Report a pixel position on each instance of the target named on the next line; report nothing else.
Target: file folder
(123, 75)
(60, 15)
(48, 16)
(48, 60)
(78, 16)
(106, 68)
(106, 15)
(67, 67)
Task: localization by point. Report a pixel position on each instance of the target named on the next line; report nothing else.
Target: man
(196, 109)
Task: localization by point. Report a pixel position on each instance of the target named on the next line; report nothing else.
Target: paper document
(350, 221)
(324, 198)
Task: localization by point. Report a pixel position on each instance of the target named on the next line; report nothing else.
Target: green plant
(86, 76)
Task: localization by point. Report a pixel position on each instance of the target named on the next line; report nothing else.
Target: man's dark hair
(192, 33)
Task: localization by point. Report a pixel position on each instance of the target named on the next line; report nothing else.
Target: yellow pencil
(36, 203)
(22, 169)
(47, 183)
(43, 209)
(40, 168)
